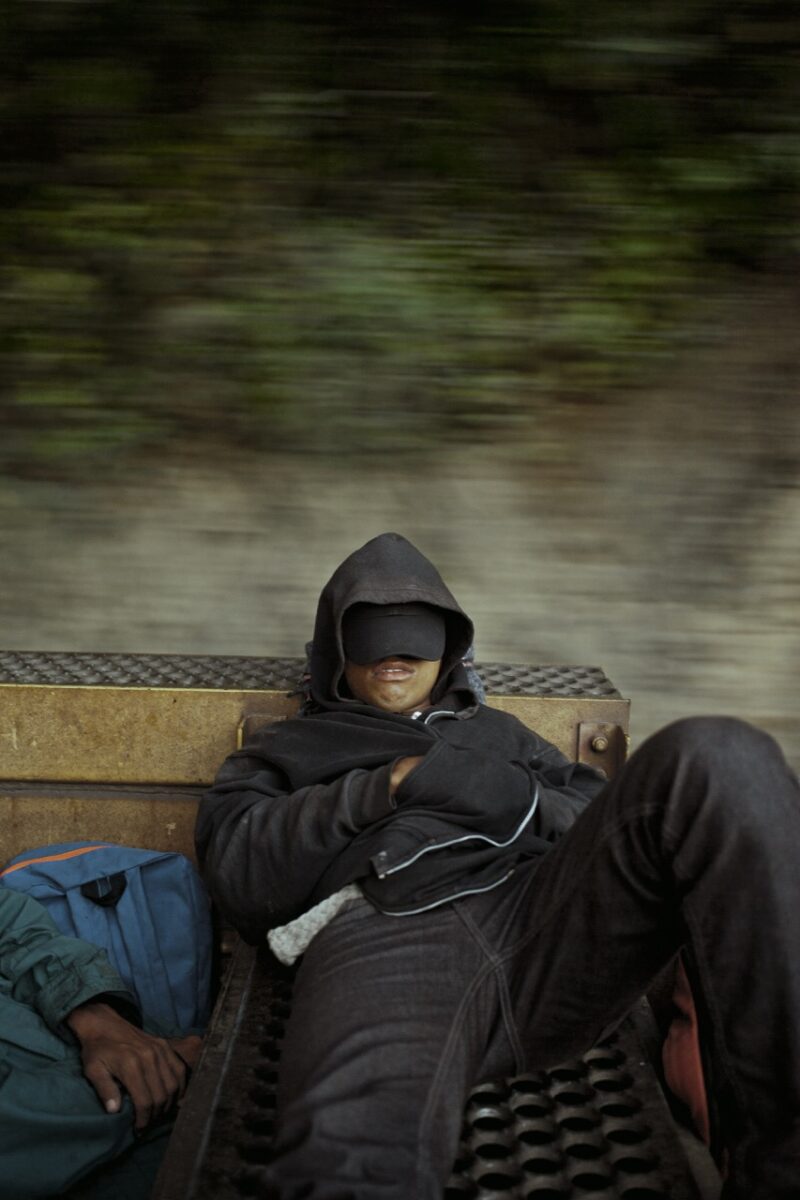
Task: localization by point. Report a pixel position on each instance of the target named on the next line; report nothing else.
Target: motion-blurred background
(516, 279)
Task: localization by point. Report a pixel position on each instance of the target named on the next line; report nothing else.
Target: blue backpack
(147, 909)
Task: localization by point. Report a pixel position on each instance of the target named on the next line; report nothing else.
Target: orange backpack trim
(53, 857)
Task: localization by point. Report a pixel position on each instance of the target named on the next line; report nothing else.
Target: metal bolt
(600, 743)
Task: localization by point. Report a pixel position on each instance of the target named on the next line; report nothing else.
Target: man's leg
(697, 840)
(389, 1025)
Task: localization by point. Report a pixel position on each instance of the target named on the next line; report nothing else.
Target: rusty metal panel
(180, 736)
(250, 725)
(602, 744)
(155, 819)
(127, 762)
(559, 720)
(123, 734)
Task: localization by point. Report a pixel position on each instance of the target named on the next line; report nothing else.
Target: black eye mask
(374, 631)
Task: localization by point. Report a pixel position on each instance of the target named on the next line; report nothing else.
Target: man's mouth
(393, 668)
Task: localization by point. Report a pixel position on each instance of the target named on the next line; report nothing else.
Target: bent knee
(718, 743)
(717, 734)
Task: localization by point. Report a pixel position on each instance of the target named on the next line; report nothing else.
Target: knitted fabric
(288, 942)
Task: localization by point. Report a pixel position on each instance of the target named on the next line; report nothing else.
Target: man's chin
(395, 700)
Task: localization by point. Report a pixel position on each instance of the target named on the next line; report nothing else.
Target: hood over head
(388, 570)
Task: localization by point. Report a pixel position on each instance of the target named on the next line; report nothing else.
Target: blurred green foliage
(351, 227)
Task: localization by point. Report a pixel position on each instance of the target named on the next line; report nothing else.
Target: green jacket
(53, 1128)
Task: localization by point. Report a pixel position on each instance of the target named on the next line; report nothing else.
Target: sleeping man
(467, 904)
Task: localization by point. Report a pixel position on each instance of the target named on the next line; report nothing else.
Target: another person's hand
(400, 769)
(117, 1055)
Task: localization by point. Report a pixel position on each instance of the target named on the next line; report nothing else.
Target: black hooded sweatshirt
(305, 808)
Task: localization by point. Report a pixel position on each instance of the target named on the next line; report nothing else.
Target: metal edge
(186, 1151)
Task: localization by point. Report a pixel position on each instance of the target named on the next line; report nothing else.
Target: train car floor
(597, 1128)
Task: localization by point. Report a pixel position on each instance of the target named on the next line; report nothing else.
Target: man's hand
(400, 769)
(118, 1055)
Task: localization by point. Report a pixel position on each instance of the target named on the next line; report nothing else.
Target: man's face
(397, 684)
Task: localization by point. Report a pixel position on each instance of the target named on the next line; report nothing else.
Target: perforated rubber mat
(276, 674)
(594, 1129)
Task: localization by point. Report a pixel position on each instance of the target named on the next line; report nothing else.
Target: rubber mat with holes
(594, 1129)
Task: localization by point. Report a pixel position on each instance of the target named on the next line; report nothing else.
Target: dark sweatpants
(395, 1019)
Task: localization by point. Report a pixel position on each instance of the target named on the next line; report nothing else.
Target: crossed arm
(72, 986)
(265, 843)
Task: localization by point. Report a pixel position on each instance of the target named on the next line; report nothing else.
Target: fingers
(103, 1083)
(148, 1070)
(188, 1050)
(174, 1074)
(154, 1079)
(116, 1055)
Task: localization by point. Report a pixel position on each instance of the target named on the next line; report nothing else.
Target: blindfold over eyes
(374, 631)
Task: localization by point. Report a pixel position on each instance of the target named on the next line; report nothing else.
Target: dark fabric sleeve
(565, 790)
(263, 848)
(493, 789)
(474, 788)
(565, 787)
(49, 971)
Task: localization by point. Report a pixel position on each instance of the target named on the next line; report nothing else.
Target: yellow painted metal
(35, 816)
(128, 764)
(123, 735)
(602, 744)
(181, 735)
(558, 719)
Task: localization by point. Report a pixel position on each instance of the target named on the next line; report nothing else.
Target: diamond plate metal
(276, 674)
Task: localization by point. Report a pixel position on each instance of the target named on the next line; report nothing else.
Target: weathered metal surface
(559, 720)
(596, 1127)
(35, 814)
(518, 679)
(602, 744)
(97, 733)
(258, 674)
(77, 668)
(180, 736)
(87, 751)
(122, 734)
(187, 1169)
(250, 725)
